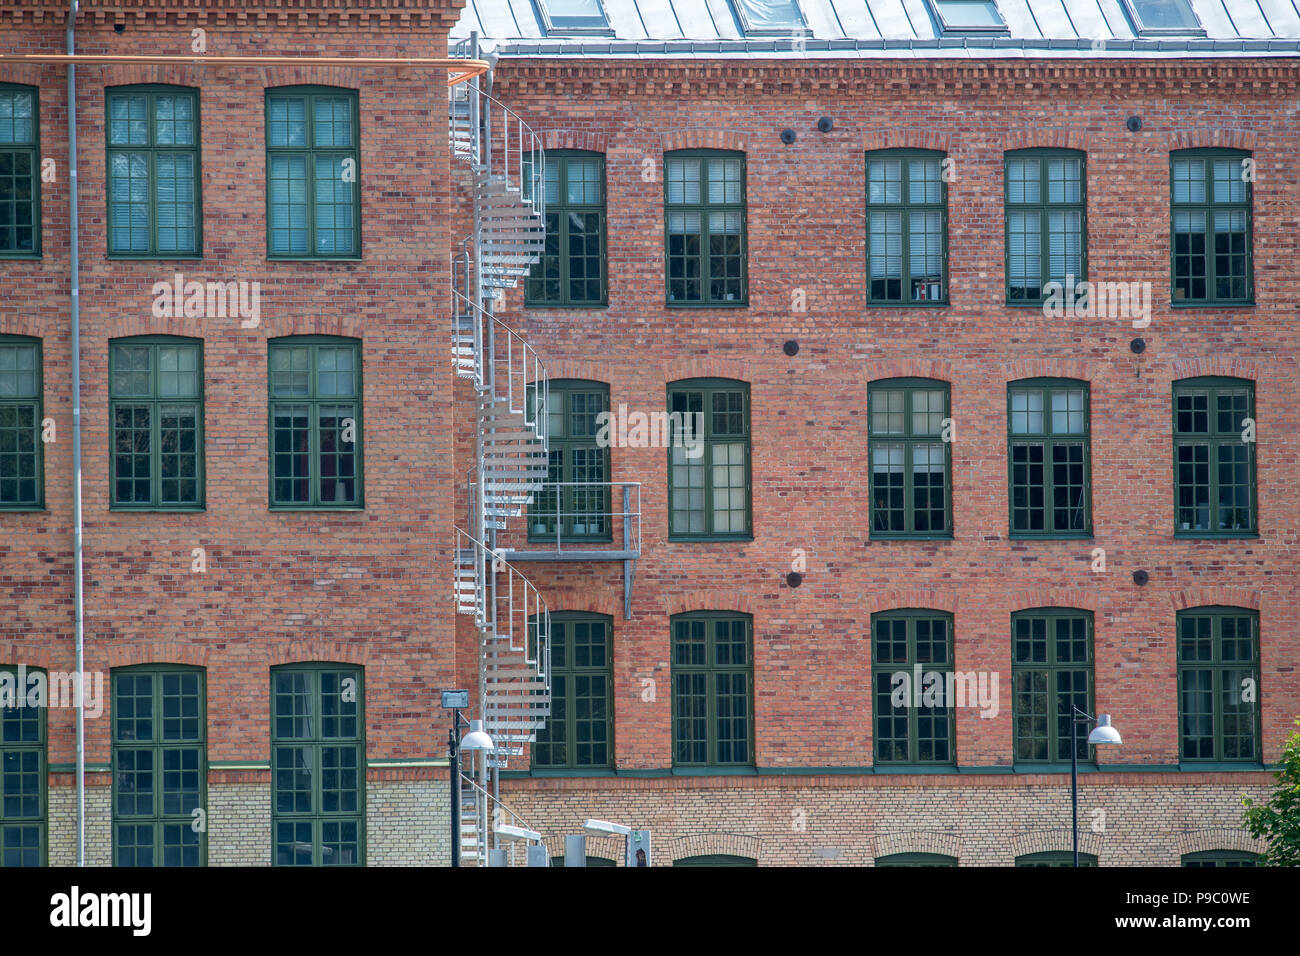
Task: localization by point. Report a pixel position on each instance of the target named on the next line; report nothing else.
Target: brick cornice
(1211, 596)
(438, 15)
(1271, 76)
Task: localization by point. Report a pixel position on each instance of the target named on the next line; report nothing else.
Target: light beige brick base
(847, 825)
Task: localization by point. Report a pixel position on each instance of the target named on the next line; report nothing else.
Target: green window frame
(315, 388)
(1217, 858)
(155, 179)
(713, 689)
(313, 173)
(24, 801)
(716, 859)
(705, 244)
(579, 734)
(572, 424)
(907, 228)
(318, 765)
(911, 463)
(1214, 468)
(1210, 227)
(572, 270)
(1049, 458)
(710, 495)
(1056, 858)
(1046, 221)
(160, 772)
(156, 406)
(20, 180)
(920, 734)
(22, 452)
(1051, 673)
(1218, 667)
(916, 859)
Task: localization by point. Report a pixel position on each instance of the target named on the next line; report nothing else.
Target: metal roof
(715, 29)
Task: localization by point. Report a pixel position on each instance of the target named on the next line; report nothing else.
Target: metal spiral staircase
(506, 167)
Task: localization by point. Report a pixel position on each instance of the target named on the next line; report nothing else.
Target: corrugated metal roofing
(875, 28)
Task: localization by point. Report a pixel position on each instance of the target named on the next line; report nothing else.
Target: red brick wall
(809, 426)
(369, 587)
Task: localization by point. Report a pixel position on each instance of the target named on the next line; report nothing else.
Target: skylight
(770, 16)
(1163, 17)
(574, 16)
(969, 16)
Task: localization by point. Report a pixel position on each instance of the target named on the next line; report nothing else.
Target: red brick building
(910, 458)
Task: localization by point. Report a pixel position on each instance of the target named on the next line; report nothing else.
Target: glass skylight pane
(770, 16)
(575, 14)
(969, 15)
(1165, 16)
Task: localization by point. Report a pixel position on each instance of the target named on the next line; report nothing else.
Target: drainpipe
(78, 595)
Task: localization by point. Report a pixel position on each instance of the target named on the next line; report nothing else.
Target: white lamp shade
(477, 738)
(1104, 733)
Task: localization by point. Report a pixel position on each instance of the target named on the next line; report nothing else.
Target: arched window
(1049, 458)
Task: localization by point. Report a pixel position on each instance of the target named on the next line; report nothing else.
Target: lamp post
(476, 739)
(1103, 733)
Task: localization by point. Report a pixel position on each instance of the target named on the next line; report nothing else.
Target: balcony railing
(581, 521)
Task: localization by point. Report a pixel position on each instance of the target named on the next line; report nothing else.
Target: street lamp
(476, 739)
(1103, 733)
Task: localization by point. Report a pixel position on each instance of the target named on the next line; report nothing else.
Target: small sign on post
(455, 700)
(638, 848)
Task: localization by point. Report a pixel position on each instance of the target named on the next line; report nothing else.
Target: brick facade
(372, 587)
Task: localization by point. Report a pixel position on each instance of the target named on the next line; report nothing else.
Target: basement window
(1164, 18)
(781, 17)
(571, 17)
(968, 16)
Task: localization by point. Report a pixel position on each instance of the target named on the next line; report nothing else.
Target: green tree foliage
(1278, 820)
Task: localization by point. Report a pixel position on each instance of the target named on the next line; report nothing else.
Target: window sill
(577, 542)
(23, 509)
(1213, 304)
(314, 509)
(1215, 535)
(1089, 766)
(21, 256)
(725, 771)
(1078, 536)
(560, 306)
(908, 769)
(314, 259)
(669, 304)
(1025, 304)
(150, 257)
(945, 536)
(155, 509)
(928, 304)
(1219, 766)
(708, 538)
